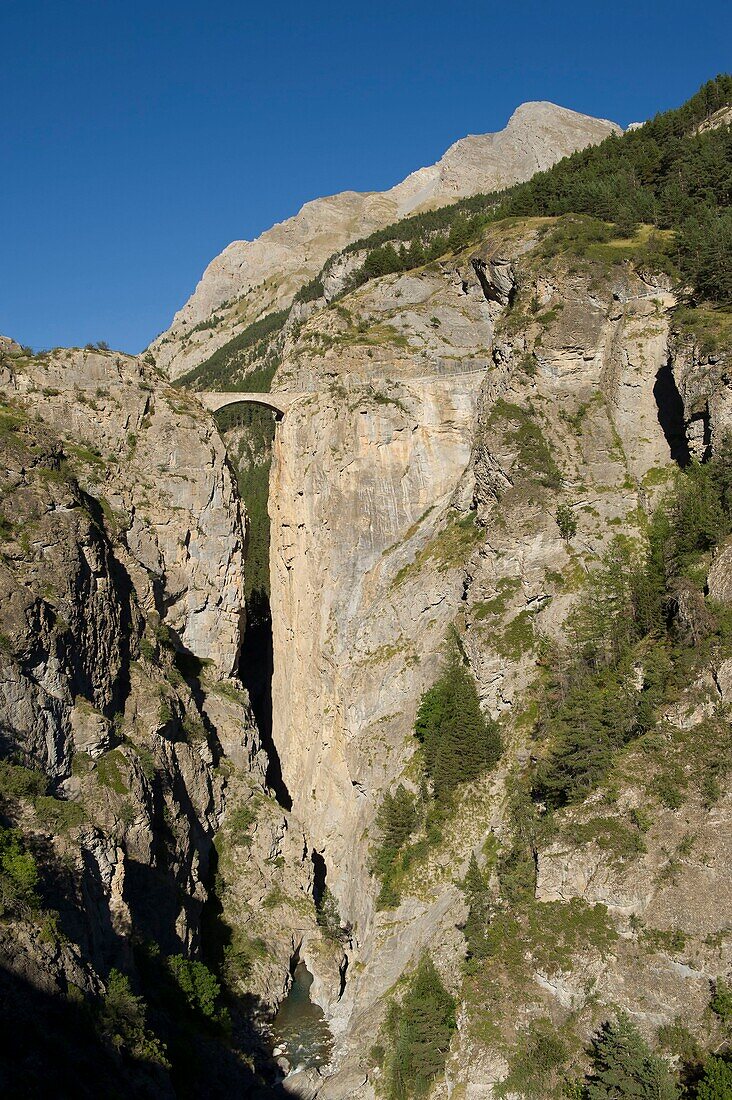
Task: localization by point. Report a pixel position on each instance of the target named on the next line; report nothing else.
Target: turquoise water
(300, 1026)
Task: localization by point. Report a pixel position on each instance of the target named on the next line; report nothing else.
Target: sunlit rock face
(434, 421)
(404, 499)
(251, 278)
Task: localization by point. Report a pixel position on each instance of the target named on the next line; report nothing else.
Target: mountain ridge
(250, 278)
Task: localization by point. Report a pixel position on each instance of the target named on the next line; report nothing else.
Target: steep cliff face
(251, 278)
(373, 457)
(450, 412)
(132, 774)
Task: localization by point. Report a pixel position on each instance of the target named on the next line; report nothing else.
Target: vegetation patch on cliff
(418, 1029)
(247, 362)
(534, 459)
(450, 546)
(458, 743)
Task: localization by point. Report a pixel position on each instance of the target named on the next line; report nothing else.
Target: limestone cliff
(448, 412)
(252, 278)
(442, 417)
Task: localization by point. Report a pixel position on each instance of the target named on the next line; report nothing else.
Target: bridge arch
(278, 402)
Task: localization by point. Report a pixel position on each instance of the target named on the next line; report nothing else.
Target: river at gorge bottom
(300, 1033)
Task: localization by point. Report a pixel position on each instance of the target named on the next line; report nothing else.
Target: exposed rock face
(374, 470)
(162, 472)
(720, 575)
(82, 583)
(451, 409)
(250, 278)
(125, 746)
(79, 584)
(704, 383)
(377, 459)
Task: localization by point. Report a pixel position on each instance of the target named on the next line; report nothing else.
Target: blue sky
(138, 138)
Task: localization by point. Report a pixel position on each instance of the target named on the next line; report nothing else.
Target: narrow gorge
(497, 463)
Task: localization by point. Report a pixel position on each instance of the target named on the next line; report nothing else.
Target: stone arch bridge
(278, 402)
(281, 401)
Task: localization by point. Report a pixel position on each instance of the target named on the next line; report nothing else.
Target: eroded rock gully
(412, 490)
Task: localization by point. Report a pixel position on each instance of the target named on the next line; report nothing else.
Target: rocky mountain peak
(251, 278)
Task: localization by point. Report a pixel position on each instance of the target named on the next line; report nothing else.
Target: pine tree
(721, 1001)
(460, 234)
(416, 254)
(480, 912)
(397, 818)
(624, 1067)
(431, 713)
(458, 741)
(716, 1084)
(422, 1028)
(566, 522)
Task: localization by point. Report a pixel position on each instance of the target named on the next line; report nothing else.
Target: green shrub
(19, 876)
(239, 957)
(329, 918)
(566, 522)
(19, 782)
(165, 710)
(239, 823)
(110, 771)
(678, 1041)
(58, 814)
(81, 764)
(575, 234)
(534, 459)
(536, 1066)
(598, 715)
(199, 989)
(517, 638)
(147, 762)
(122, 1020)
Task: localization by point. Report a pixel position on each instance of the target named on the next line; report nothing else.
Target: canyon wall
(443, 417)
(133, 779)
(453, 409)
